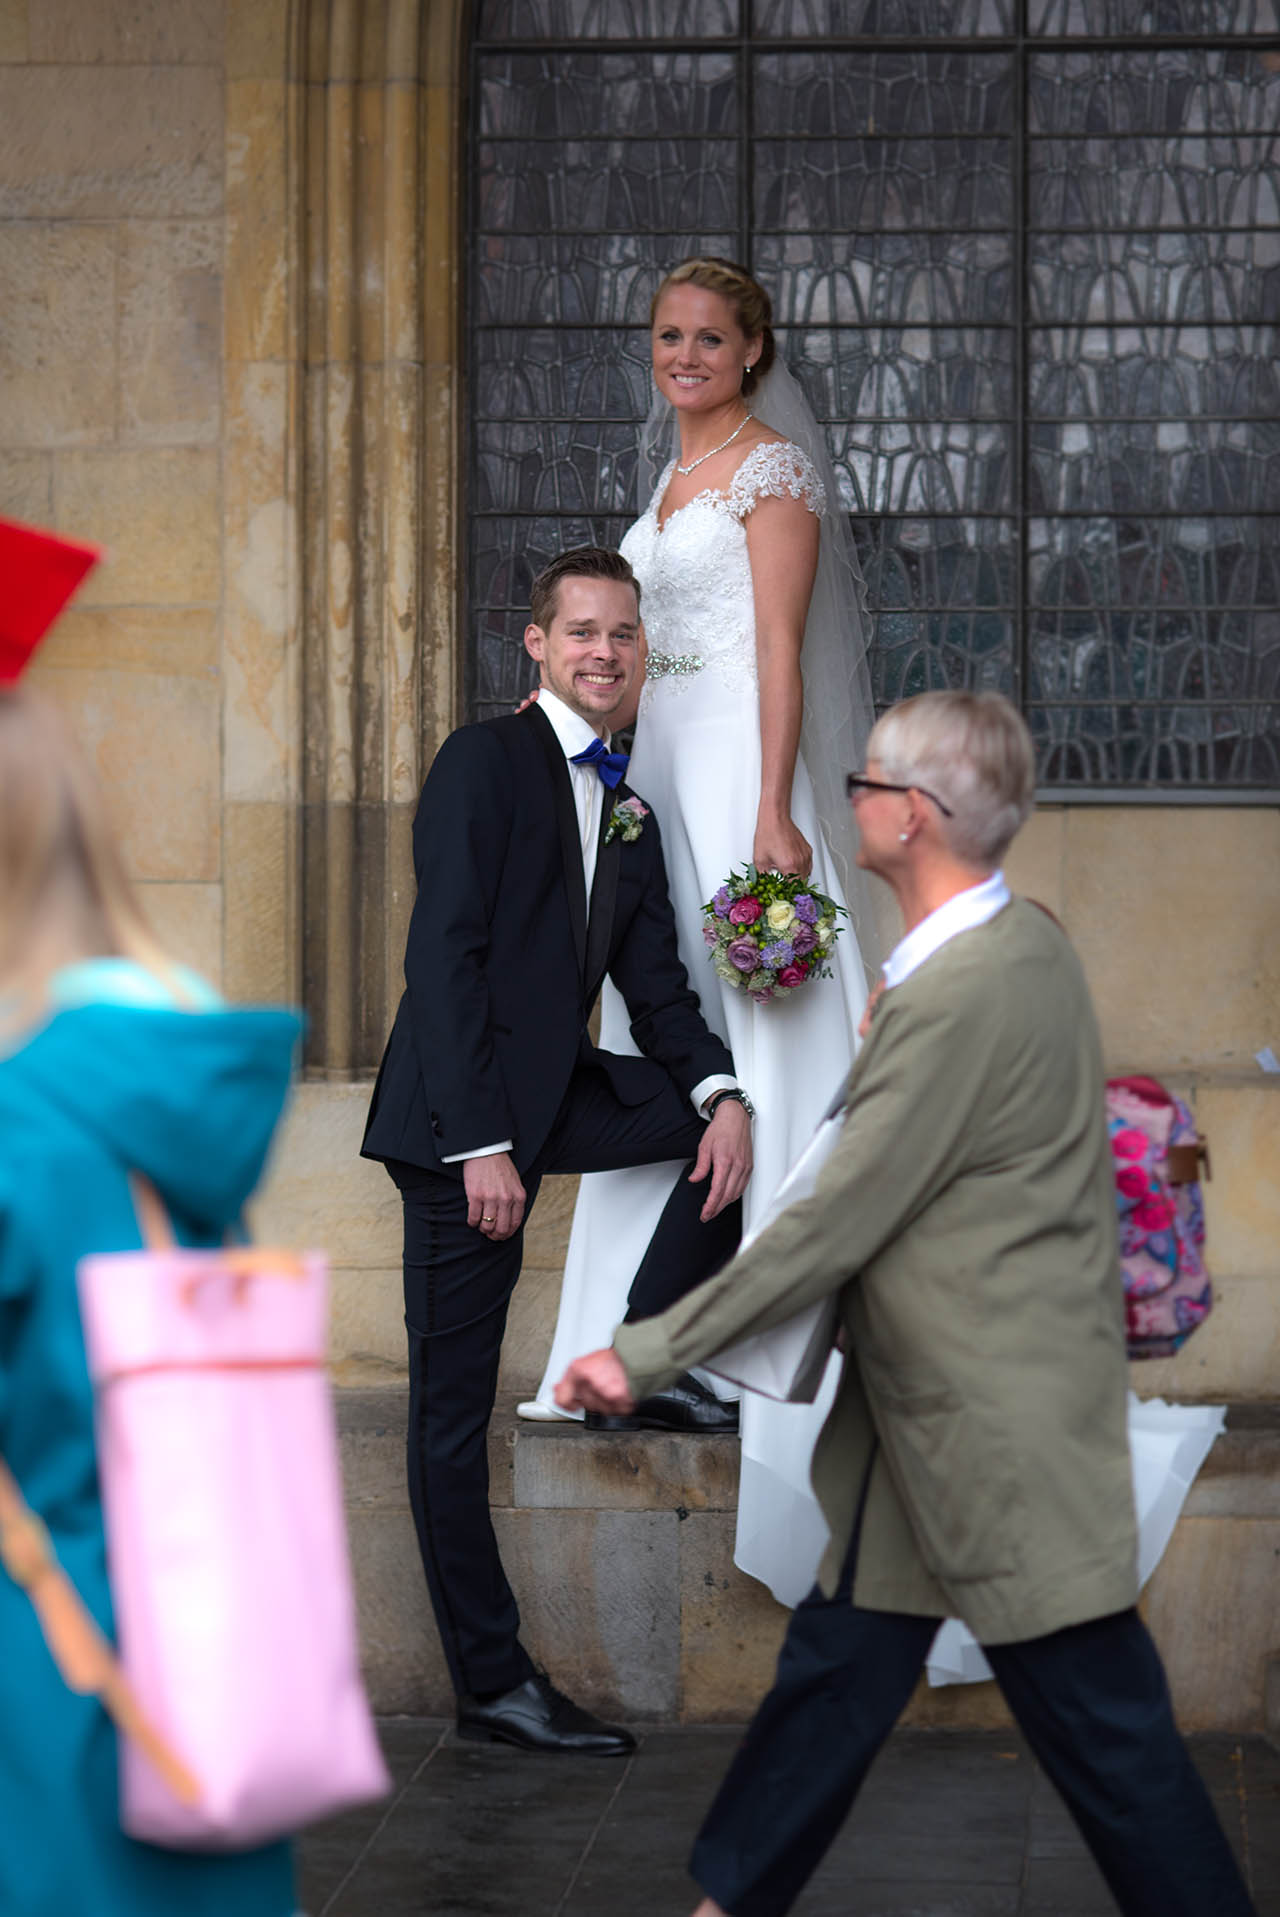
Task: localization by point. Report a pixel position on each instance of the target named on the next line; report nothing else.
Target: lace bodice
(698, 607)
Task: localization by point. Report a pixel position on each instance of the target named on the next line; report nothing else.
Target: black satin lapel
(604, 891)
(570, 838)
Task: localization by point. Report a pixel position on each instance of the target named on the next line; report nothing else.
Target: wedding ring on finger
(489, 1219)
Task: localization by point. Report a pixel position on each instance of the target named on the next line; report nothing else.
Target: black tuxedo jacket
(504, 961)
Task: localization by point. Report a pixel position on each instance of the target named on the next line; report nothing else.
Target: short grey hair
(973, 750)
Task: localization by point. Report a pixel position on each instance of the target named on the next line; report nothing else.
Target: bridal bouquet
(767, 932)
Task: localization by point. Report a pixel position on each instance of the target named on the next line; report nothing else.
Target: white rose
(779, 916)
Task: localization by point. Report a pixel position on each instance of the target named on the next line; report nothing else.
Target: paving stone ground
(950, 1824)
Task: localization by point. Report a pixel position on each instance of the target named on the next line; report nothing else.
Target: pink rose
(1131, 1181)
(744, 953)
(1153, 1214)
(744, 912)
(1130, 1143)
(792, 975)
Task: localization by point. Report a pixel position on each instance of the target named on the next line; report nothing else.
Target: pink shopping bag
(227, 1551)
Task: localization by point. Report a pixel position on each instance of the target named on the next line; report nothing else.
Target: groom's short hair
(583, 562)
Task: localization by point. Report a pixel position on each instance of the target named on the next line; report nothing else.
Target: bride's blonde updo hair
(751, 305)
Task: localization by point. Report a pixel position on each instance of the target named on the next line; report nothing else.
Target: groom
(535, 879)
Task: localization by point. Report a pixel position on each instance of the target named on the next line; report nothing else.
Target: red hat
(38, 574)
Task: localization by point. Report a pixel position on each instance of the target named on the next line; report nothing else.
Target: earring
(903, 837)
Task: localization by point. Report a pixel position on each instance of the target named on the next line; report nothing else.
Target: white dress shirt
(589, 789)
(589, 793)
(974, 906)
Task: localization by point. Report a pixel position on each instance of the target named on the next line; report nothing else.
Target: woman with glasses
(756, 698)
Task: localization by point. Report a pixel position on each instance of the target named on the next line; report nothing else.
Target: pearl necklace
(702, 458)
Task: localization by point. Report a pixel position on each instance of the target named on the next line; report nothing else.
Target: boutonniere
(626, 821)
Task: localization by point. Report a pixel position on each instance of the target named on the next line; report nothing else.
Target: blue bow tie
(610, 765)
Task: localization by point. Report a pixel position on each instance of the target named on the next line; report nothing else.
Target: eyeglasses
(856, 782)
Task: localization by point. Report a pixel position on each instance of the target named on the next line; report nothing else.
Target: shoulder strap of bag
(85, 1660)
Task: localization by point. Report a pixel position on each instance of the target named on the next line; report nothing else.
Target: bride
(756, 701)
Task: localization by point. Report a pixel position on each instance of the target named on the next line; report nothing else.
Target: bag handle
(240, 1261)
(84, 1659)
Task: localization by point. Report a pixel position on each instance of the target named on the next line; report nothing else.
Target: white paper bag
(788, 1362)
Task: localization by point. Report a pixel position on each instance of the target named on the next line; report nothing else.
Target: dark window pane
(869, 278)
(910, 19)
(521, 277)
(571, 96)
(1154, 276)
(884, 184)
(1127, 745)
(905, 372)
(570, 375)
(1173, 91)
(1158, 372)
(606, 186)
(1065, 18)
(1188, 465)
(605, 19)
(1134, 181)
(567, 468)
(906, 92)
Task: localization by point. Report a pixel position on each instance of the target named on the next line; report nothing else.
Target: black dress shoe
(687, 1405)
(537, 1717)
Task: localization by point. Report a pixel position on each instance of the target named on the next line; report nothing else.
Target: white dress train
(1167, 1445)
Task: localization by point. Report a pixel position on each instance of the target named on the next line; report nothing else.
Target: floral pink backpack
(1157, 1153)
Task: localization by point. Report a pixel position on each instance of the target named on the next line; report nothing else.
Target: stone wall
(145, 406)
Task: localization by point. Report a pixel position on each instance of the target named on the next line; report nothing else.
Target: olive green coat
(967, 1220)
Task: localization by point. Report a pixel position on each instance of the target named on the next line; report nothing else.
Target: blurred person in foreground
(112, 1059)
(975, 1460)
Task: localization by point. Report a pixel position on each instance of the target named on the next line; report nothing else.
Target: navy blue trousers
(1091, 1701)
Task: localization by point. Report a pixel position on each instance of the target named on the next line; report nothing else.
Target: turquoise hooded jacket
(191, 1100)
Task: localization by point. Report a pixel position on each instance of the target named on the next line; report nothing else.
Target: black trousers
(1091, 1701)
(457, 1286)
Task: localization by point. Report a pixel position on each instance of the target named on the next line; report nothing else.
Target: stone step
(620, 1550)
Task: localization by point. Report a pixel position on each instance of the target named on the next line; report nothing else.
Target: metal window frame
(1020, 46)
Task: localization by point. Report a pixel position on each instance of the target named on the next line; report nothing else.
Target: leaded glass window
(1025, 257)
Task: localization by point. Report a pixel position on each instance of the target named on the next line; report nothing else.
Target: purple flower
(744, 953)
(721, 902)
(805, 908)
(777, 955)
(803, 940)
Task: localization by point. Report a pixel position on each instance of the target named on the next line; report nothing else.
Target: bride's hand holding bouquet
(780, 846)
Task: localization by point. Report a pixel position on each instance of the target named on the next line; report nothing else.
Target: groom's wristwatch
(738, 1096)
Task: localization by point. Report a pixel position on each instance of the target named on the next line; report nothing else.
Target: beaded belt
(662, 665)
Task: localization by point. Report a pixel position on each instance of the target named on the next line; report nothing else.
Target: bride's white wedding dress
(697, 763)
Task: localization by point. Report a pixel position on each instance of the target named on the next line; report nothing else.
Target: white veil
(838, 712)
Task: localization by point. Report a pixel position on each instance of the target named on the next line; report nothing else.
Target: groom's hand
(725, 1153)
(495, 1195)
(597, 1382)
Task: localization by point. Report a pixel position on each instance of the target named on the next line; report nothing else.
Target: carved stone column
(376, 168)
